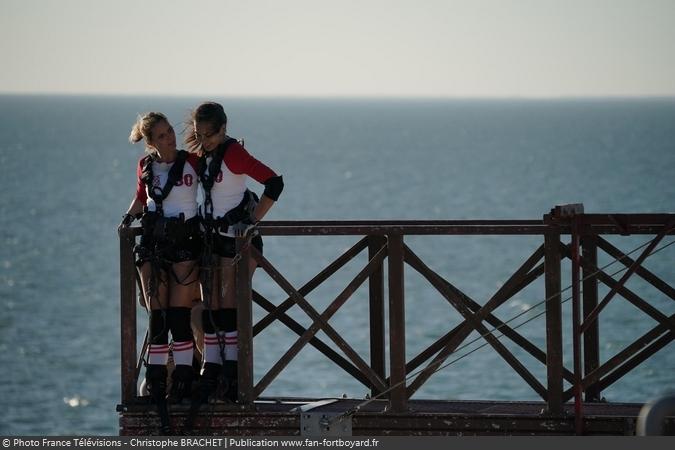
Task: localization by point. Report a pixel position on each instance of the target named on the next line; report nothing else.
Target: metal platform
(568, 394)
(283, 417)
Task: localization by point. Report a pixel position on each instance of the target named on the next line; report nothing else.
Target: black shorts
(183, 246)
(224, 246)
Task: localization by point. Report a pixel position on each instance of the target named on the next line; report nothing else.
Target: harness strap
(240, 212)
(208, 180)
(175, 174)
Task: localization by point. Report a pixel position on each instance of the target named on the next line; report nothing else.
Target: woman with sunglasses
(229, 210)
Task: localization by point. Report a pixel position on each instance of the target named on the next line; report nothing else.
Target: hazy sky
(472, 48)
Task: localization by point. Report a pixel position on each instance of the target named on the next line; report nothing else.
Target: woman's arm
(136, 207)
(263, 206)
(134, 210)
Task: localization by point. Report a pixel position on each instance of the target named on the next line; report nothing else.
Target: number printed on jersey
(187, 180)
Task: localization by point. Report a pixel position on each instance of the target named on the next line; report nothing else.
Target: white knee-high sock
(231, 345)
(182, 353)
(212, 349)
(158, 354)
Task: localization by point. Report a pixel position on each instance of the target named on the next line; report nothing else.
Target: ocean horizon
(70, 174)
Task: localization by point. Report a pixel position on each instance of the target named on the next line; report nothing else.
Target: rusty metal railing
(384, 242)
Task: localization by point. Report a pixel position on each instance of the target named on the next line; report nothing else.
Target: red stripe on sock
(183, 345)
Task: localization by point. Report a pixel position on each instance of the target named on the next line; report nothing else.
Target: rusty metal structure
(392, 410)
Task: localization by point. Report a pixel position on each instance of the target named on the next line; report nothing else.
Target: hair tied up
(142, 128)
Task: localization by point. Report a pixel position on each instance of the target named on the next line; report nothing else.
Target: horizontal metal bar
(630, 229)
(299, 229)
(378, 223)
(450, 230)
(587, 219)
(452, 227)
(626, 219)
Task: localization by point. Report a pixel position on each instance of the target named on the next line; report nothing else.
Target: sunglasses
(202, 136)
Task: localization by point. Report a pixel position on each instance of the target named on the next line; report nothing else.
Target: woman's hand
(243, 228)
(127, 220)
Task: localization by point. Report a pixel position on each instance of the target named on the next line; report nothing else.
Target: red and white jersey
(230, 183)
(183, 196)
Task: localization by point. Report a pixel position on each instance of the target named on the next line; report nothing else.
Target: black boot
(208, 383)
(181, 384)
(155, 379)
(231, 381)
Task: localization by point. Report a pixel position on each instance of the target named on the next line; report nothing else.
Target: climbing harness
(159, 194)
(208, 177)
(208, 173)
(211, 227)
(158, 240)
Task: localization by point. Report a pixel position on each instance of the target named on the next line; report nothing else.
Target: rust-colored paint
(384, 240)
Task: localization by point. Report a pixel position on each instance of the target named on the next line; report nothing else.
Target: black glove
(243, 228)
(127, 220)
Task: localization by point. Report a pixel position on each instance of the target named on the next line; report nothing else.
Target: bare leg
(182, 284)
(160, 298)
(227, 295)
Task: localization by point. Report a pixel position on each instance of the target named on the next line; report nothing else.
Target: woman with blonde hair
(168, 252)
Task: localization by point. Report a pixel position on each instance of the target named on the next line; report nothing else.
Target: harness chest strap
(214, 166)
(175, 174)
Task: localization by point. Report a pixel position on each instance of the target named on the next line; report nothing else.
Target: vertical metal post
(128, 314)
(554, 356)
(398, 400)
(244, 325)
(576, 329)
(589, 247)
(377, 320)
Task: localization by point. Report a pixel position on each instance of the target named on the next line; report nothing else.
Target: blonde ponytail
(142, 129)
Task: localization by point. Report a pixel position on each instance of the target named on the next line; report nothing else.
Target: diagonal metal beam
(314, 342)
(455, 337)
(312, 284)
(641, 271)
(627, 359)
(593, 315)
(627, 353)
(320, 320)
(493, 320)
(636, 360)
(459, 301)
(626, 293)
(637, 301)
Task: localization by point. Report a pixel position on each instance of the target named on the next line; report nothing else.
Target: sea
(68, 175)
